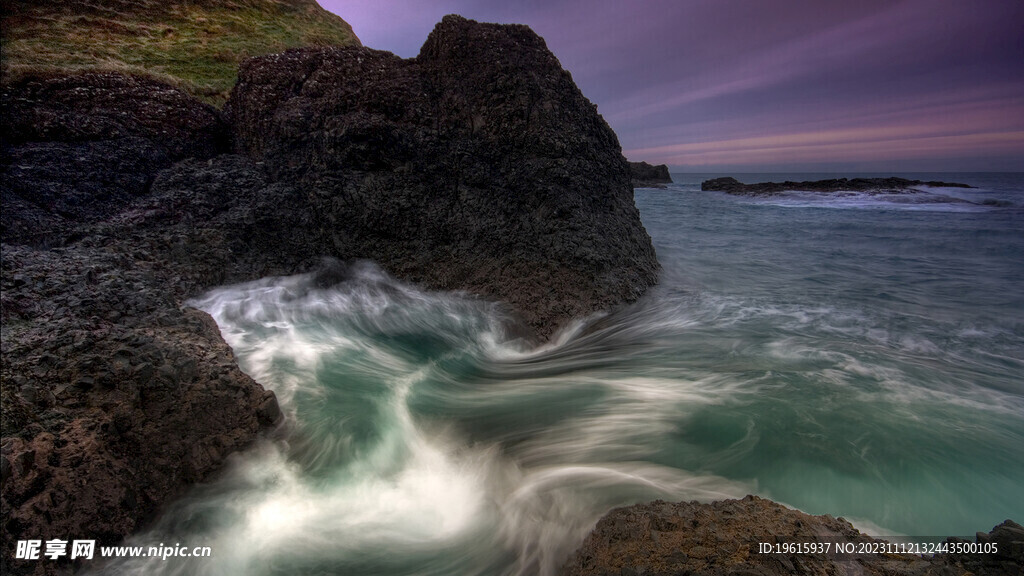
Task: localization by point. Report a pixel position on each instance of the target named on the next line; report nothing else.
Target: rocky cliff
(476, 166)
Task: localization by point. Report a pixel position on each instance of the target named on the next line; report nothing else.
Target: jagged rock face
(97, 106)
(114, 397)
(477, 165)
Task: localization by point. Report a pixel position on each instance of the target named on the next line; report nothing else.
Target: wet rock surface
(115, 396)
(726, 538)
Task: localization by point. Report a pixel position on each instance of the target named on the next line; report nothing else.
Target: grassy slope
(193, 44)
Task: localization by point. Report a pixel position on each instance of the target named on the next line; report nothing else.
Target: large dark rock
(96, 106)
(220, 221)
(727, 538)
(478, 166)
(114, 397)
(649, 176)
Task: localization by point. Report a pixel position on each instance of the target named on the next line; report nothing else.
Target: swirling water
(857, 356)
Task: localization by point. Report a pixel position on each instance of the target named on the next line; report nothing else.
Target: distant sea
(857, 356)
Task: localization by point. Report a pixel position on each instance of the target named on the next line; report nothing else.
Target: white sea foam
(420, 488)
(926, 199)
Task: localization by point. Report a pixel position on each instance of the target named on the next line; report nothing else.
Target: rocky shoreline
(872, 186)
(123, 197)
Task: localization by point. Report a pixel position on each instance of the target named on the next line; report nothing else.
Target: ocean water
(857, 356)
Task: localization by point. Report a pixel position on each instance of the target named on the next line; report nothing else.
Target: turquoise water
(860, 356)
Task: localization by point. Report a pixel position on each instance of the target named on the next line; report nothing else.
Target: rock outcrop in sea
(892, 185)
(649, 176)
(477, 166)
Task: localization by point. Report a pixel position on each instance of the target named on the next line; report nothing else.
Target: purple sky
(714, 85)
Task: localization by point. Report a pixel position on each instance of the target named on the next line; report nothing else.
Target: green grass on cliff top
(195, 45)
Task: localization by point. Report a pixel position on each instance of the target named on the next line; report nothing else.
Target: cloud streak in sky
(973, 126)
(905, 84)
(857, 145)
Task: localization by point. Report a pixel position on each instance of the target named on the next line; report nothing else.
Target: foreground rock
(477, 166)
(863, 185)
(114, 396)
(725, 538)
(648, 176)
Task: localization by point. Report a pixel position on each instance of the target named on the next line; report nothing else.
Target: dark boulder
(478, 166)
(648, 176)
(220, 221)
(104, 106)
(1004, 555)
(59, 185)
(725, 184)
